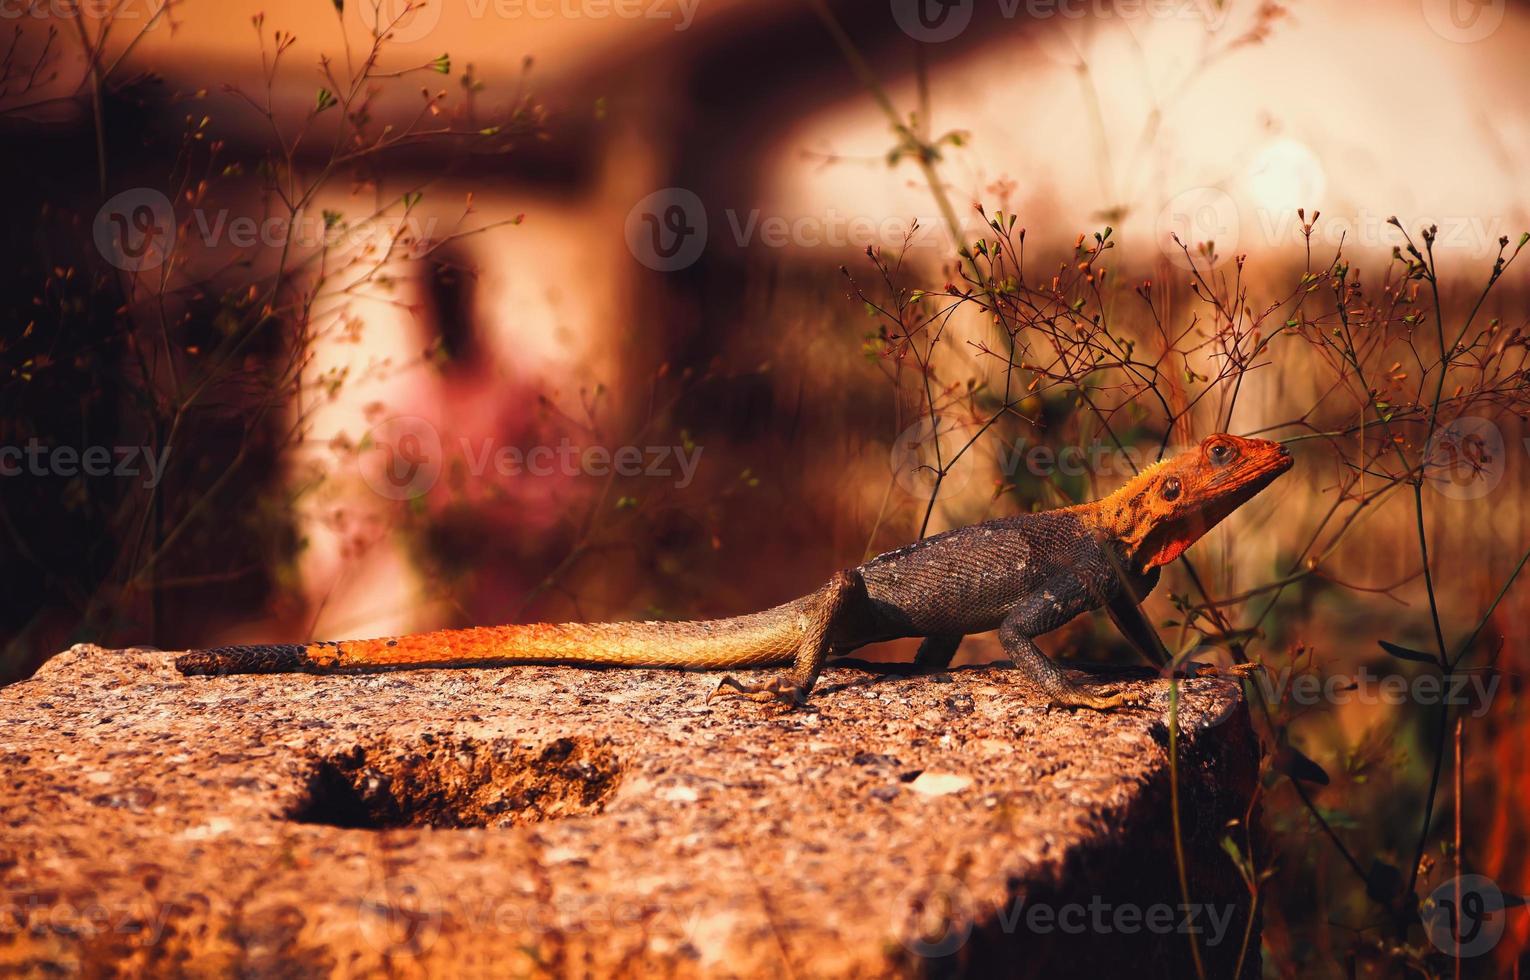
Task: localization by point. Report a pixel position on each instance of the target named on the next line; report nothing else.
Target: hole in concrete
(444, 781)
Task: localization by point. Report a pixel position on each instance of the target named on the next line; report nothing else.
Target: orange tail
(761, 639)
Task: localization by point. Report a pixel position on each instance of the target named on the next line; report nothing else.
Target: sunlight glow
(1286, 175)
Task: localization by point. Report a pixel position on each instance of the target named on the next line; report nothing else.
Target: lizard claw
(1076, 697)
(782, 689)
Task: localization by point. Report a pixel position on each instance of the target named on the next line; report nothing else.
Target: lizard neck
(1146, 536)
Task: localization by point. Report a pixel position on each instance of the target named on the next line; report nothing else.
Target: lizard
(1023, 576)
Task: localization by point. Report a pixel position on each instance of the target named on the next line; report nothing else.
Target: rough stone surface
(533, 821)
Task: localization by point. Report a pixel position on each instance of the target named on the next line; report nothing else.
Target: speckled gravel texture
(603, 822)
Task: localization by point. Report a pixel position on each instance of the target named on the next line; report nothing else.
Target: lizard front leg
(833, 605)
(1040, 613)
(1125, 611)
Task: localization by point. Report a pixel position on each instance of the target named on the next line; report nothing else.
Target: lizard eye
(1221, 452)
(1171, 488)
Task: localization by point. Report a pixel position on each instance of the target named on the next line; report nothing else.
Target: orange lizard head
(1168, 506)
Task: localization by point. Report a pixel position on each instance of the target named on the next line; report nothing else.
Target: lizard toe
(1077, 697)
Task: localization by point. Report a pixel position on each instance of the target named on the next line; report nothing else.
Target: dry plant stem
(1179, 846)
(1460, 805)
(1253, 886)
(1445, 664)
(924, 152)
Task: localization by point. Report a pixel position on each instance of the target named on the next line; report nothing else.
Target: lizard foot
(1078, 697)
(782, 689)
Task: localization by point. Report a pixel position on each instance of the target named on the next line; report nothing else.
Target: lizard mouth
(1272, 465)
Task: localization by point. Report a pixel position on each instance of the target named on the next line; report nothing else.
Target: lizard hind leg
(820, 624)
(935, 652)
